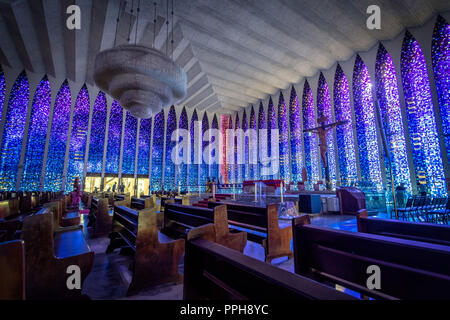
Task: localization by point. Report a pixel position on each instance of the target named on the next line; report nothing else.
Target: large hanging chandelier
(144, 80)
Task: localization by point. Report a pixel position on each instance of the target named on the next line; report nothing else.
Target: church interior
(224, 150)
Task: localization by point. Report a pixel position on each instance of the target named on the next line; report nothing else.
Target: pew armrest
(286, 235)
(236, 241)
(205, 232)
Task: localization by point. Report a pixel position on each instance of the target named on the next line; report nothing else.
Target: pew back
(12, 270)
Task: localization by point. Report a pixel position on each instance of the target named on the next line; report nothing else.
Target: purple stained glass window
(193, 167)
(366, 129)
(204, 168)
(296, 137)
(238, 168)
(271, 125)
(245, 166)
(310, 140)
(261, 125)
(441, 66)
(284, 139)
(114, 139)
(324, 110)
(145, 135)
(2, 89)
(98, 131)
(78, 138)
(157, 151)
(389, 103)
(129, 142)
(169, 165)
(13, 131)
(58, 139)
(182, 168)
(215, 166)
(423, 133)
(37, 134)
(253, 167)
(344, 133)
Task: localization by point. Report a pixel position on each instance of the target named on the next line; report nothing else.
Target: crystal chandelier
(144, 80)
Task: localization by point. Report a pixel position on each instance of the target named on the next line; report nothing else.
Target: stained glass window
(78, 138)
(182, 168)
(98, 132)
(114, 139)
(13, 132)
(245, 166)
(310, 140)
(2, 89)
(215, 166)
(271, 124)
(324, 110)
(441, 66)
(344, 133)
(145, 135)
(366, 131)
(129, 143)
(37, 134)
(169, 166)
(253, 167)
(204, 168)
(237, 148)
(193, 167)
(421, 119)
(296, 137)
(389, 103)
(284, 139)
(230, 166)
(261, 125)
(157, 151)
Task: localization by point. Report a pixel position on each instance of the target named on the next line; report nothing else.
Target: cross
(322, 131)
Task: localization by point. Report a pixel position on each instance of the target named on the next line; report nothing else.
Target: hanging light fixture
(144, 80)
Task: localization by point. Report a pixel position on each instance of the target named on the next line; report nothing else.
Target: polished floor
(111, 276)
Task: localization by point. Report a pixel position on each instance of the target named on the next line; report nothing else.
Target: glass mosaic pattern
(58, 139)
(37, 134)
(344, 133)
(245, 166)
(261, 125)
(284, 139)
(98, 132)
(391, 115)
(78, 138)
(295, 126)
(237, 146)
(182, 169)
(2, 89)
(157, 151)
(114, 139)
(193, 167)
(145, 136)
(204, 168)
(129, 143)
(366, 131)
(421, 119)
(215, 167)
(169, 166)
(13, 131)
(253, 167)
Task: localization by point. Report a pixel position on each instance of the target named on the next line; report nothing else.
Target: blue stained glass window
(215, 166)
(245, 166)
(296, 137)
(98, 132)
(271, 124)
(157, 151)
(261, 125)
(78, 138)
(145, 135)
(324, 110)
(193, 167)
(389, 103)
(426, 151)
(238, 168)
(37, 134)
(441, 66)
(13, 132)
(2, 89)
(183, 167)
(366, 131)
(310, 140)
(129, 142)
(230, 166)
(114, 139)
(284, 139)
(58, 139)
(169, 166)
(253, 167)
(344, 133)
(204, 168)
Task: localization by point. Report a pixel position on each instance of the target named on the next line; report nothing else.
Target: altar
(267, 186)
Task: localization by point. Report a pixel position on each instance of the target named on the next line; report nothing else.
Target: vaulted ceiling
(235, 52)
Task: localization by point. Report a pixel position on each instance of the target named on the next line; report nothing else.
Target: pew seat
(12, 270)
(70, 243)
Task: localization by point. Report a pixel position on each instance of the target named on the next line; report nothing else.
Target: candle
(234, 195)
(256, 192)
(282, 186)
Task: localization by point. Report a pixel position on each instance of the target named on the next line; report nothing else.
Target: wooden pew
(62, 218)
(418, 231)
(155, 262)
(11, 219)
(214, 272)
(409, 269)
(99, 215)
(275, 240)
(48, 256)
(12, 270)
(188, 221)
(141, 204)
